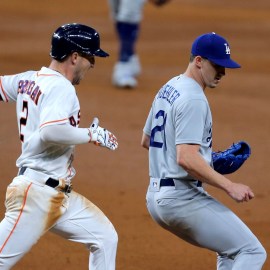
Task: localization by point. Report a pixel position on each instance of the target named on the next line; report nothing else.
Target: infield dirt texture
(117, 181)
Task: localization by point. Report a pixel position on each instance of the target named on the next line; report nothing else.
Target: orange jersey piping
(18, 219)
(55, 121)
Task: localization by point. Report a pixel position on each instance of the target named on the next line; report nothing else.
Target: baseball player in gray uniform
(41, 198)
(178, 134)
(127, 16)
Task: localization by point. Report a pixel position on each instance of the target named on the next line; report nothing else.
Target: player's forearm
(200, 170)
(64, 134)
(194, 164)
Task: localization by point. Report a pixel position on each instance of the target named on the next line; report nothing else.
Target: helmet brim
(100, 53)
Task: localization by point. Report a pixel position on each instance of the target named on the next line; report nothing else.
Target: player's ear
(74, 57)
(198, 61)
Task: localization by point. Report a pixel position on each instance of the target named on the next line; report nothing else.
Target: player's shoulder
(183, 83)
(52, 76)
(12, 80)
(51, 80)
(186, 86)
(19, 75)
(191, 94)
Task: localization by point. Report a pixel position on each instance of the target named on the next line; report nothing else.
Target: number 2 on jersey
(159, 129)
(23, 119)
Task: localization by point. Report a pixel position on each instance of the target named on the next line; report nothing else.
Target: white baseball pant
(33, 208)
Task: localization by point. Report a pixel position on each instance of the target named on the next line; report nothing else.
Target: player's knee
(111, 237)
(257, 252)
(108, 241)
(261, 253)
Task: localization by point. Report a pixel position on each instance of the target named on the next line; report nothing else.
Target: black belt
(169, 182)
(51, 182)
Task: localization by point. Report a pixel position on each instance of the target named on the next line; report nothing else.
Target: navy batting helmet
(75, 37)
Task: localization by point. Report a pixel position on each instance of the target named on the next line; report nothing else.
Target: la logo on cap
(211, 47)
(228, 51)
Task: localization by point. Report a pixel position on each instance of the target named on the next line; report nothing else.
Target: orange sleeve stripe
(55, 121)
(3, 90)
(18, 219)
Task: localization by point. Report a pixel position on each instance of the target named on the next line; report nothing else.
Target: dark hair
(191, 58)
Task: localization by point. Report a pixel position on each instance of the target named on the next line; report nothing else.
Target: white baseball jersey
(180, 114)
(42, 102)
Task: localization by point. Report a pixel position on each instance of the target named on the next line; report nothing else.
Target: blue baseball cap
(215, 48)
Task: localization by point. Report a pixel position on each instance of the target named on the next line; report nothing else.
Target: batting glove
(101, 136)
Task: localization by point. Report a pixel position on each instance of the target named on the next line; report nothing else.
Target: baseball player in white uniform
(41, 198)
(178, 134)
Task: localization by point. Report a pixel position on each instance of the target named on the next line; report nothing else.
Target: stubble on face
(80, 71)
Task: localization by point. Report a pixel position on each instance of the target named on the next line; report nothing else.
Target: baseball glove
(159, 2)
(231, 159)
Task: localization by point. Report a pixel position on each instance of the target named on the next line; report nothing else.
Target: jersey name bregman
(30, 88)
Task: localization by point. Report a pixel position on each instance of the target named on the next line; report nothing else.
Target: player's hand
(240, 192)
(101, 136)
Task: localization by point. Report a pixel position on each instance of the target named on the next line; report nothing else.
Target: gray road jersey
(179, 114)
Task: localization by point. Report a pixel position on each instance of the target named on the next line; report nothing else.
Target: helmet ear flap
(57, 46)
(60, 47)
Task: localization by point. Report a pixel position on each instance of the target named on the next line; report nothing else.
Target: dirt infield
(117, 181)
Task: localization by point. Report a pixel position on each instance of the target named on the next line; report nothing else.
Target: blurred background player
(127, 16)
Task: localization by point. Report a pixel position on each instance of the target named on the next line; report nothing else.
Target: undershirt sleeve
(64, 134)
